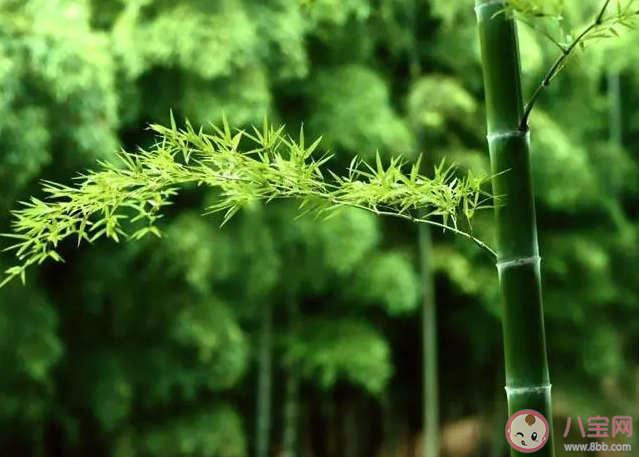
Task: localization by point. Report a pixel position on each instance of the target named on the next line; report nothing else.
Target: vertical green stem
(291, 416)
(391, 441)
(616, 138)
(291, 406)
(430, 407)
(350, 429)
(429, 332)
(614, 101)
(263, 428)
(614, 125)
(518, 264)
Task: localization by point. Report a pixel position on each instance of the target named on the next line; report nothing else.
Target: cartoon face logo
(527, 431)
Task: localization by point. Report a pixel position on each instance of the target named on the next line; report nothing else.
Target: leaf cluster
(274, 166)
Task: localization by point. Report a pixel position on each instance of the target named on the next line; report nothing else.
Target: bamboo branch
(276, 167)
(567, 50)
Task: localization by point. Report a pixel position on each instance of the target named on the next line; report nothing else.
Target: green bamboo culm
(518, 261)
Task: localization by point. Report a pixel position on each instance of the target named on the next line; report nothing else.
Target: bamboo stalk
(429, 332)
(263, 413)
(291, 416)
(518, 262)
(430, 405)
(291, 406)
(615, 126)
(615, 113)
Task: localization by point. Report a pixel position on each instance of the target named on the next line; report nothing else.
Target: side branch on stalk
(273, 166)
(601, 26)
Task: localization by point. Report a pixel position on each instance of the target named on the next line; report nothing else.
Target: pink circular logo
(527, 431)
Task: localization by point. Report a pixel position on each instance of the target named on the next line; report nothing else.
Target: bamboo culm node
(505, 264)
(541, 389)
(495, 136)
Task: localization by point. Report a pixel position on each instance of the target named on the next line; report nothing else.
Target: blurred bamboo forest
(283, 337)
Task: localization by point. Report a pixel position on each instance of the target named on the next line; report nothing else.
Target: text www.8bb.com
(597, 446)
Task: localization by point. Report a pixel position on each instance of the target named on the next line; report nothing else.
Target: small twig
(566, 52)
(339, 203)
(410, 218)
